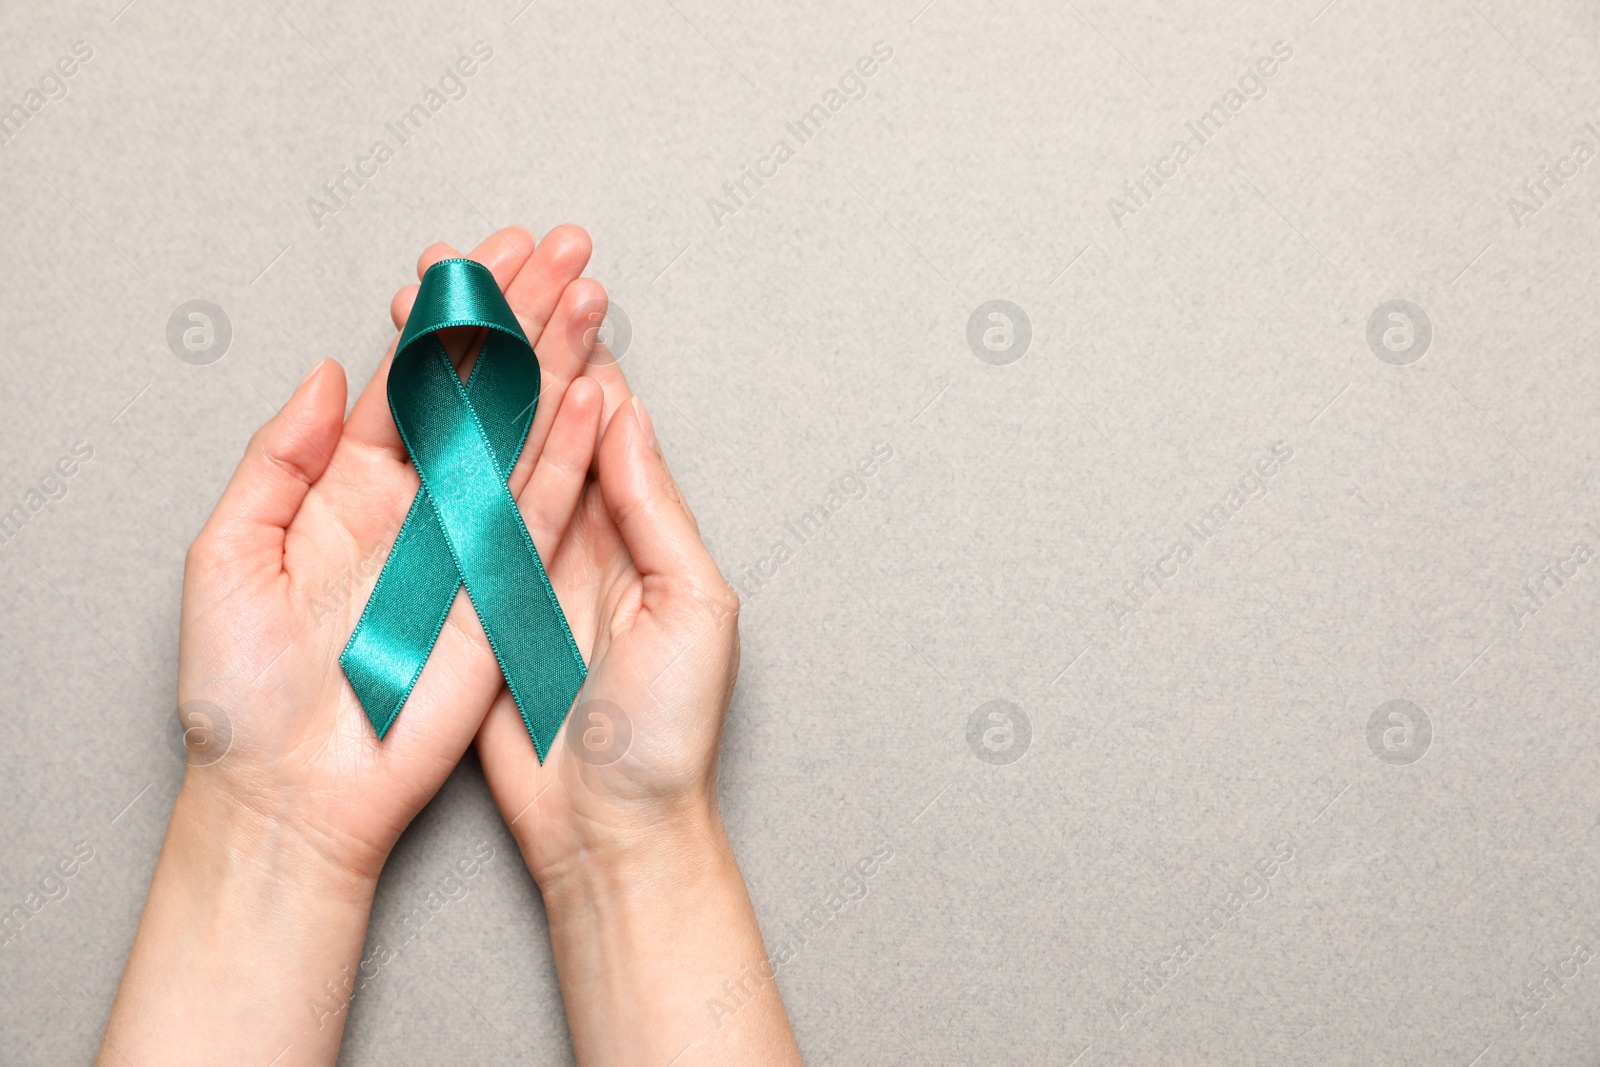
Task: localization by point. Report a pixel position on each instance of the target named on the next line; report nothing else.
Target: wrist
(247, 928)
(235, 845)
(658, 949)
(659, 859)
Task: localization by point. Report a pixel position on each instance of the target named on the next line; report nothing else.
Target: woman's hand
(252, 934)
(655, 620)
(649, 916)
(277, 578)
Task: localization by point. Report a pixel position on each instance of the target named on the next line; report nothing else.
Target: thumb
(644, 503)
(283, 460)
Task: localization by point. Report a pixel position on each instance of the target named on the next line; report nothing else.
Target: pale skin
(265, 882)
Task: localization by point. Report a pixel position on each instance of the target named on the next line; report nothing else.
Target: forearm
(244, 947)
(659, 952)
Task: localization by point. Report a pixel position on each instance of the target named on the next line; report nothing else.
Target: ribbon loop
(464, 527)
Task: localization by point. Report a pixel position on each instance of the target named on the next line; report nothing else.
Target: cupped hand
(634, 766)
(278, 576)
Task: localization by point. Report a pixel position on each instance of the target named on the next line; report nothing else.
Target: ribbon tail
(403, 617)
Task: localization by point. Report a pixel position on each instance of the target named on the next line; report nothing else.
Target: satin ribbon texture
(464, 526)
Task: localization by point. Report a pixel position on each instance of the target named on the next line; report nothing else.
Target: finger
(538, 291)
(567, 343)
(371, 422)
(503, 745)
(644, 503)
(550, 496)
(562, 349)
(567, 339)
(570, 347)
(400, 306)
(603, 368)
(283, 460)
(504, 252)
(559, 259)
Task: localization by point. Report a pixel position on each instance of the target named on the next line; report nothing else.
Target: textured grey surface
(1177, 741)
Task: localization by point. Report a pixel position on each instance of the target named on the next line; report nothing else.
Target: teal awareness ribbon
(464, 526)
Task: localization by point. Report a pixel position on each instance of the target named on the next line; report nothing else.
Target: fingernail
(645, 424)
(312, 371)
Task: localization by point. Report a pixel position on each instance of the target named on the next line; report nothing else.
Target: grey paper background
(1173, 746)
